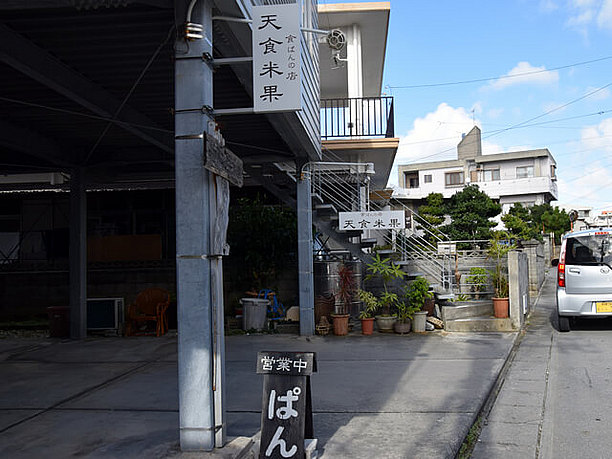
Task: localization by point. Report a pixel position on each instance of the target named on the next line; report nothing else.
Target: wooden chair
(149, 306)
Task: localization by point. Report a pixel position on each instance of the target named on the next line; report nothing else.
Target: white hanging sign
(391, 219)
(276, 58)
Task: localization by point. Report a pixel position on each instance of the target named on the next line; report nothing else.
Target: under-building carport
(112, 95)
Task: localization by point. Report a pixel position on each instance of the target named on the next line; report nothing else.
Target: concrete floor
(373, 396)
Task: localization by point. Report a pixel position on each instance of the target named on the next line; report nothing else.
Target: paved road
(555, 401)
(578, 411)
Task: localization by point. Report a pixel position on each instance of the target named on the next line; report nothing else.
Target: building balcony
(363, 117)
(520, 186)
(495, 189)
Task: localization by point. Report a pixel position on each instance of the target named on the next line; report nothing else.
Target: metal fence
(357, 117)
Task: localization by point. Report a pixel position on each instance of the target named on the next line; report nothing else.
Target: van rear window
(589, 250)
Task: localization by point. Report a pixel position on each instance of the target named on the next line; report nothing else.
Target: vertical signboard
(276, 58)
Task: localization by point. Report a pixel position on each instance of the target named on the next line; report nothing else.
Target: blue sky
(562, 98)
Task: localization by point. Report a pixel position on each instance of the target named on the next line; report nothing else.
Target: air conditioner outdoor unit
(104, 313)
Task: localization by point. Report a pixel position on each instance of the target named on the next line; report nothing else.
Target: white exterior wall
(508, 190)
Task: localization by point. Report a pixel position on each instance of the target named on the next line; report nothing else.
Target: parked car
(584, 276)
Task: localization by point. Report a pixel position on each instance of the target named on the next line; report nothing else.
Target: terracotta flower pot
(340, 324)
(501, 307)
(367, 326)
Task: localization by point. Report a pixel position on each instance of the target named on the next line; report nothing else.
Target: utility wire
(503, 77)
(84, 115)
(130, 92)
(524, 124)
(440, 139)
(552, 110)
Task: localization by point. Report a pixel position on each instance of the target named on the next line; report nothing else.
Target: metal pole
(78, 255)
(193, 88)
(305, 263)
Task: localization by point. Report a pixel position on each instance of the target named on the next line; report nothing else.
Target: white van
(584, 276)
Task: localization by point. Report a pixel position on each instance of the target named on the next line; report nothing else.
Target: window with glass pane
(453, 178)
(427, 178)
(411, 179)
(524, 171)
(594, 250)
(491, 174)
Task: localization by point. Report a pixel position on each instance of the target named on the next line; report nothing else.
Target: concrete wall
(537, 265)
(464, 265)
(518, 278)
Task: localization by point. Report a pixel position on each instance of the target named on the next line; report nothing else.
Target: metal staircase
(345, 187)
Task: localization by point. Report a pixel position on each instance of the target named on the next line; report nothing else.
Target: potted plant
(344, 297)
(405, 313)
(416, 295)
(387, 271)
(477, 280)
(499, 248)
(366, 315)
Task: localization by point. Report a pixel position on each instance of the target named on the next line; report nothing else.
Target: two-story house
(526, 177)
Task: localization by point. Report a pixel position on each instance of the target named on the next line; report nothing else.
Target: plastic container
(59, 321)
(254, 313)
(418, 321)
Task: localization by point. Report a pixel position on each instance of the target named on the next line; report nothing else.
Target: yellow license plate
(604, 306)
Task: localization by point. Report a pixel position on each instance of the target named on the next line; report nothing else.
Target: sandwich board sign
(286, 414)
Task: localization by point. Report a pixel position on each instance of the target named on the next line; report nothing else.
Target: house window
(411, 179)
(490, 175)
(454, 178)
(524, 172)
(427, 178)
(553, 170)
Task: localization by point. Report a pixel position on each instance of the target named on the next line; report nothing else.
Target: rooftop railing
(357, 117)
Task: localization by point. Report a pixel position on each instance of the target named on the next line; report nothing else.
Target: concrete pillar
(194, 195)
(548, 250)
(78, 255)
(305, 263)
(518, 283)
(534, 252)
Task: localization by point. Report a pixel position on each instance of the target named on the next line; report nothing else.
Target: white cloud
(590, 188)
(584, 13)
(599, 95)
(599, 136)
(556, 107)
(495, 113)
(604, 18)
(525, 73)
(581, 19)
(548, 5)
(586, 178)
(435, 136)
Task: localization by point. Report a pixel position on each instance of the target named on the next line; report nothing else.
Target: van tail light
(561, 267)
